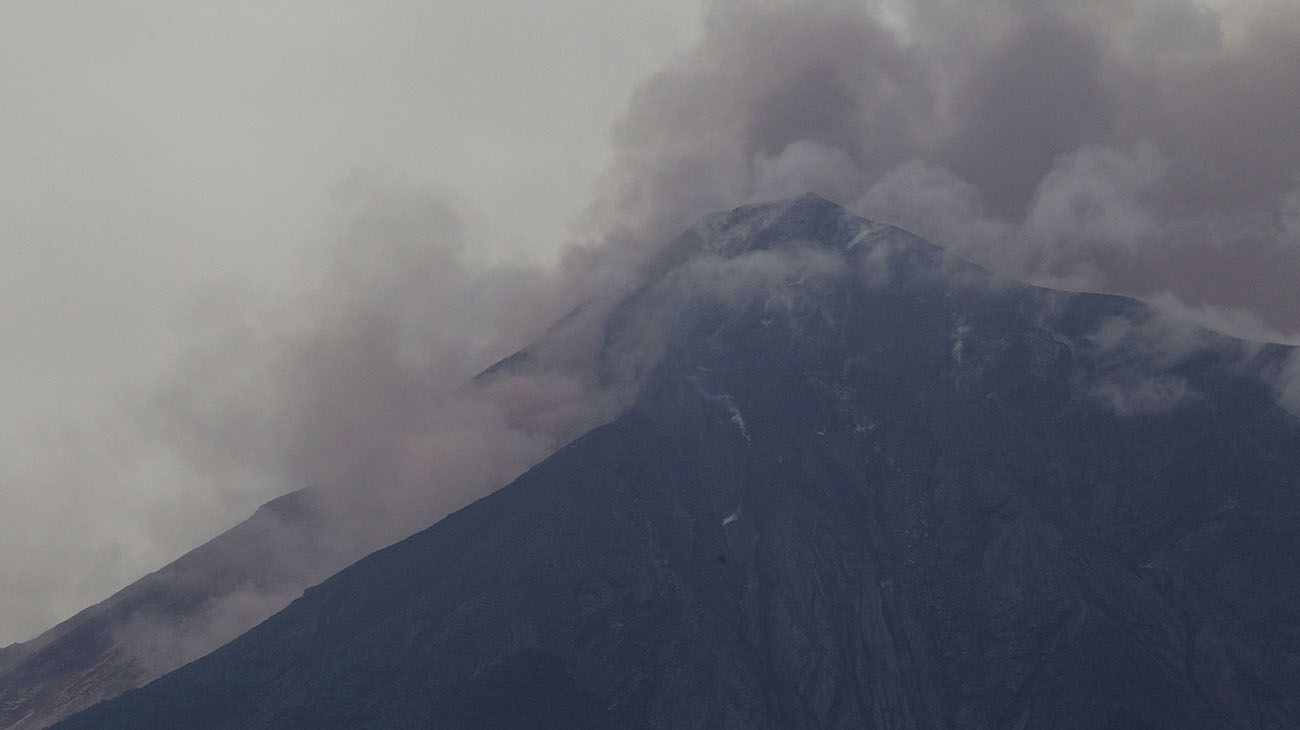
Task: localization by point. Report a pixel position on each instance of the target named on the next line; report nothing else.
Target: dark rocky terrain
(862, 486)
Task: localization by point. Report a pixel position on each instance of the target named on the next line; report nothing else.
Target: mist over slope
(863, 485)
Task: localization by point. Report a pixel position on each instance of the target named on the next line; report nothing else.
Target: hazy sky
(149, 150)
(156, 151)
(245, 246)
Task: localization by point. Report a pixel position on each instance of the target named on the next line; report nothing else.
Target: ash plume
(1143, 147)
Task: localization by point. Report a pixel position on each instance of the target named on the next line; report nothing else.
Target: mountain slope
(161, 621)
(862, 486)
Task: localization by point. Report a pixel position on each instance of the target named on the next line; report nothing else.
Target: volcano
(862, 484)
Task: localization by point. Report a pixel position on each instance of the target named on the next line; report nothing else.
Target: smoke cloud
(359, 386)
(1136, 146)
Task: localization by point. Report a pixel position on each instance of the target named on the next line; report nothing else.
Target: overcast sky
(155, 151)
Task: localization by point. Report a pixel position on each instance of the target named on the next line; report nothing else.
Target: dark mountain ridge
(861, 486)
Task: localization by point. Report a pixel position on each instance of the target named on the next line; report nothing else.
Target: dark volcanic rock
(862, 487)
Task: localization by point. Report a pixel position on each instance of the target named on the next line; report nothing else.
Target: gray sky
(253, 246)
(155, 152)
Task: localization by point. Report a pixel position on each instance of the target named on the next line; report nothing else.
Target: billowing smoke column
(1146, 147)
